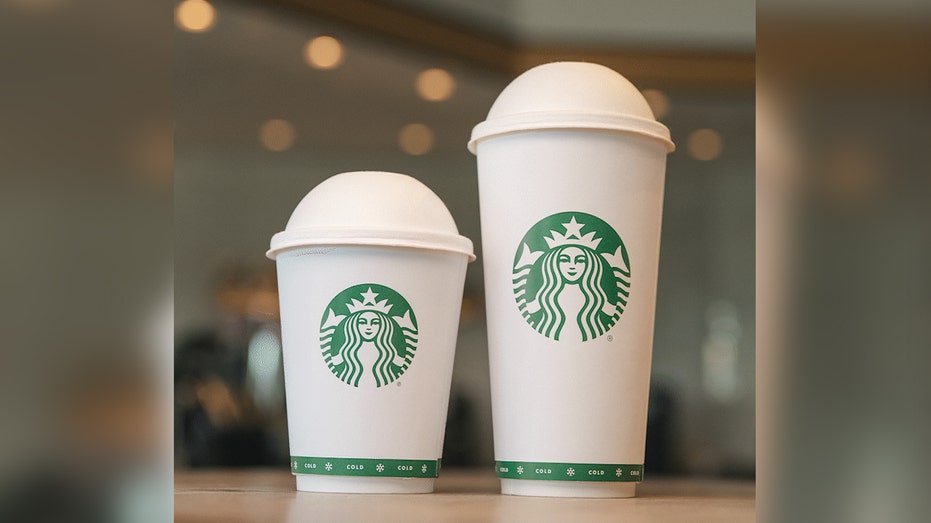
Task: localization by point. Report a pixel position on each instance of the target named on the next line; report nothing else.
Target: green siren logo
(571, 276)
(368, 335)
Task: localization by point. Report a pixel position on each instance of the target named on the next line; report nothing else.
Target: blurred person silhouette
(229, 383)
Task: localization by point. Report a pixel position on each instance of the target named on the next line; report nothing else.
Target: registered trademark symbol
(610, 337)
(399, 383)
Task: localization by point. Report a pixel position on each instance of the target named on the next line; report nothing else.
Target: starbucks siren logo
(368, 334)
(571, 276)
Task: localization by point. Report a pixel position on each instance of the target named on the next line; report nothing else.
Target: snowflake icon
(423, 468)
(570, 471)
(380, 467)
(328, 466)
(619, 472)
(520, 470)
(294, 464)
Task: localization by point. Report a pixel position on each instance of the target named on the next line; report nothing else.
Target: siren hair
(553, 318)
(352, 371)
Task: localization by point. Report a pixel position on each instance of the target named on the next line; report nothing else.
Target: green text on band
(569, 471)
(368, 467)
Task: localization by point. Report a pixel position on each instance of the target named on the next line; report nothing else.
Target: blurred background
(843, 251)
(90, 228)
(273, 97)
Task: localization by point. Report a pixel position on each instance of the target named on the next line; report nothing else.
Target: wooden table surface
(461, 496)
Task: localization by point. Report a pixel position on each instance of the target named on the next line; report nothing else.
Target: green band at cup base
(367, 467)
(569, 471)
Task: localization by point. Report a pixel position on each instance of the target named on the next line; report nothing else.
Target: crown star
(368, 297)
(573, 236)
(369, 303)
(573, 228)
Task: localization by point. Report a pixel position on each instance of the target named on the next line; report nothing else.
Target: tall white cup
(371, 270)
(571, 167)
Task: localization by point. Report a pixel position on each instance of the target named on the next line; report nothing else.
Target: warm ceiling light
(195, 16)
(277, 135)
(658, 101)
(435, 85)
(415, 139)
(324, 52)
(705, 144)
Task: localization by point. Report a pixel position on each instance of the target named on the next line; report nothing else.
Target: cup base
(567, 489)
(362, 485)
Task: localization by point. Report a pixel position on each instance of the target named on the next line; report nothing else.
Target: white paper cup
(370, 277)
(571, 168)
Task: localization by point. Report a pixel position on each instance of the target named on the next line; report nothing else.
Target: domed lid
(371, 208)
(571, 95)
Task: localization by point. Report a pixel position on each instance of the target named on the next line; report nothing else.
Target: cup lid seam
(536, 121)
(428, 240)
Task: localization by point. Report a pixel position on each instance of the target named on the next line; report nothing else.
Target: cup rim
(300, 237)
(554, 120)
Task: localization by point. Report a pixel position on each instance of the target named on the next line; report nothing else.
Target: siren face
(369, 323)
(572, 263)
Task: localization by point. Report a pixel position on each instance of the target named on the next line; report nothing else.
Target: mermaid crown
(368, 303)
(573, 236)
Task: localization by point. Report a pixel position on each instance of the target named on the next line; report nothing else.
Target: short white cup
(371, 271)
(571, 168)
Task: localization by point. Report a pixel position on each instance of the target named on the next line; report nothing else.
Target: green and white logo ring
(373, 318)
(571, 276)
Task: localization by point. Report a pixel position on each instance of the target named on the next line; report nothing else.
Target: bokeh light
(705, 144)
(435, 85)
(658, 101)
(277, 135)
(324, 52)
(195, 16)
(415, 139)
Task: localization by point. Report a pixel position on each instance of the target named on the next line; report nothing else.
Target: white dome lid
(571, 95)
(371, 208)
